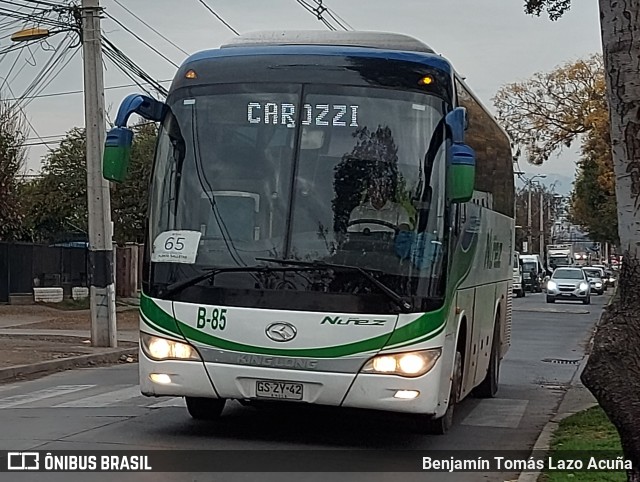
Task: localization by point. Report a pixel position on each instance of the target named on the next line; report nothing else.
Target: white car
(569, 284)
(596, 279)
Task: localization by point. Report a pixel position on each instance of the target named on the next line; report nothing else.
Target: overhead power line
(140, 39)
(130, 68)
(319, 9)
(79, 91)
(50, 4)
(150, 27)
(218, 17)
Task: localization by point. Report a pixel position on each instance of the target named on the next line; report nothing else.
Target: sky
(490, 42)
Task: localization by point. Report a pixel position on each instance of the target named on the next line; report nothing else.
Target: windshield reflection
(355, 176)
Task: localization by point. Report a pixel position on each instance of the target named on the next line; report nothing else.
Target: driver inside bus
(379, 213)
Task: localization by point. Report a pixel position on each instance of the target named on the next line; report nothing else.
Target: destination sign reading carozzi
(339, 115)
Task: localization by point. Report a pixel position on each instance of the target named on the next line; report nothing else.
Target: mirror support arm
(142, 105)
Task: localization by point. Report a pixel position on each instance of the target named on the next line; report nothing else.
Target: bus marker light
(191, 74)
(407, 394)
(161, 378)
(426, 80)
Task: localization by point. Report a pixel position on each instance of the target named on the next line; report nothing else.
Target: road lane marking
(17, 400)
(172, 402)
(103, 399)
(497, 412)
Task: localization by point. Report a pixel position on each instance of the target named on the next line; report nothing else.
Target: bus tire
(441, 425)
(489, 386)
(205, 408)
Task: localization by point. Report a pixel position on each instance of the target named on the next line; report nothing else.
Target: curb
(110, 356)
(543, 442)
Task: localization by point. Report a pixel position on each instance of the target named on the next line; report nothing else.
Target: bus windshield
(348, 175)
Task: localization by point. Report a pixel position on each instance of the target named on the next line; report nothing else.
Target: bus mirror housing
(117, 148)
(462, 159)
(462, 173)
(117, 152)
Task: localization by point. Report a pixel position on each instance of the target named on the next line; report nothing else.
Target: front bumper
(364, 390)
(597, 288)
(577, 294)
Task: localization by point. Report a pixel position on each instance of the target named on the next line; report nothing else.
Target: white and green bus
(330, 222)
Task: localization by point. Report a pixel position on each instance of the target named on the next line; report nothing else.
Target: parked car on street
(518, 286)
(596, 279)
(609, 279)
(569, 284)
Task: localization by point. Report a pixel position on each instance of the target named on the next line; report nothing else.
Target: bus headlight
(411, 364)
(164, 349)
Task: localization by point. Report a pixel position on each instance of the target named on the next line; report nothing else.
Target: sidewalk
(36, 340)
(576, 399)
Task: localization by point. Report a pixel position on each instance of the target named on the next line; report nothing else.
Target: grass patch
(588, 432)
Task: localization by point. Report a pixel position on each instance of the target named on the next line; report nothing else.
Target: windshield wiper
(177, 287)
(403, 304)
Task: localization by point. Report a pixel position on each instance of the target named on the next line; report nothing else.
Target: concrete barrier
(79, 293)
(48, 295)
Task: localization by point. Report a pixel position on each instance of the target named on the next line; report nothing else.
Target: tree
(593, 200)
(64, 172)
(12, 157)
(59, 216)
(613, 369)
(551, 111)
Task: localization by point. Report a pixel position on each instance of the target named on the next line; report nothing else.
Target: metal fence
(24, 266)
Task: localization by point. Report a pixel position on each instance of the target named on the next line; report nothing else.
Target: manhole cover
(561, 361)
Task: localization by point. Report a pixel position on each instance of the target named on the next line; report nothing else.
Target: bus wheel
(440, 426)
(205, 408)
(489, 386)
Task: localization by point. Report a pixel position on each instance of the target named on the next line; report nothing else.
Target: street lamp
(101, 262)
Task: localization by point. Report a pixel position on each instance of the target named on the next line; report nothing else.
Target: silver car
(569, 284)
(596, 279)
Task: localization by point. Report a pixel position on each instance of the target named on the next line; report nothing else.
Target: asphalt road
(101, 408)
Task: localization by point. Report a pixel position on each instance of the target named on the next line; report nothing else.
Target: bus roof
(364, 39)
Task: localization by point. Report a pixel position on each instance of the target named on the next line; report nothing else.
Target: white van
(518, 288)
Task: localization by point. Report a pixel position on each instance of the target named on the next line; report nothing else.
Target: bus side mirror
(462, 173)
(117, 146)
(457, 123)
(117, 152)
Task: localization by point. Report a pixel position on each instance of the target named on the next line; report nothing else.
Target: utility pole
(529, 245)
(101, 261)
(541, 222)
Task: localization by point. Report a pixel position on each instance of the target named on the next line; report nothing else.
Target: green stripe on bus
(157, 328)
(358, 347)
(158, 316)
